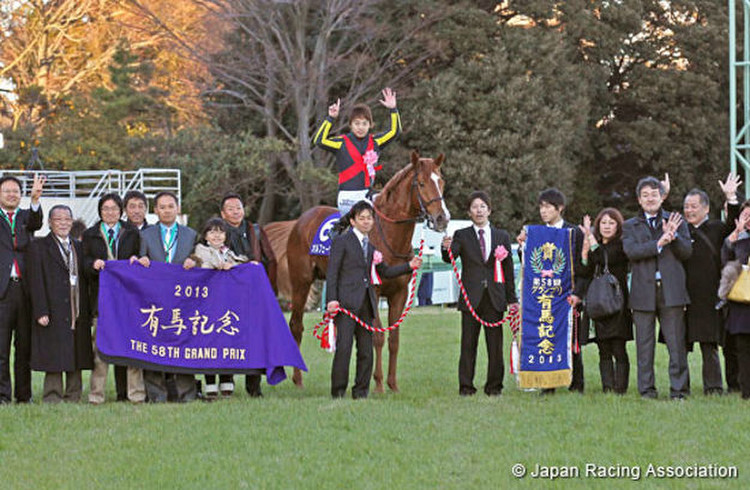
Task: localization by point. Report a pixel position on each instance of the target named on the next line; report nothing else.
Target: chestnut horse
(415, 193)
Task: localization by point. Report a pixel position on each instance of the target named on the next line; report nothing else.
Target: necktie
(111, 240)
(364, 247)
(482, 245)
(10, 222)
(15, 242)
(652, 222)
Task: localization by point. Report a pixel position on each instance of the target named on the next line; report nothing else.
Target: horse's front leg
(296, 323)
(395, 308)
(378, 339)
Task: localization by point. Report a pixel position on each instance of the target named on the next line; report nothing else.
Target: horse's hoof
(379, 388)
(393, 386)
(297, 380)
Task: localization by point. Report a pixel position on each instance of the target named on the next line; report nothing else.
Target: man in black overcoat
(248, 239)
(61, 329)
(703, 270)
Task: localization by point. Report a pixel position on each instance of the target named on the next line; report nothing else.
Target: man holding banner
(172, 243)
(547, 315)
(551, 207)
(487, 275)
(248, 239)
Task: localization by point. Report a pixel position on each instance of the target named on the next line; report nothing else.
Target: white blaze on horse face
(436, 178)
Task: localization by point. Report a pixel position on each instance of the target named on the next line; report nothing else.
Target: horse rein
(423, 214)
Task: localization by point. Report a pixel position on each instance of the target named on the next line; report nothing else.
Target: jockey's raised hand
(389, 98)
(333, 109)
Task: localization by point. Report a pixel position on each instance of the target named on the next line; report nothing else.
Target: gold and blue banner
(165, 318)
(546, 315)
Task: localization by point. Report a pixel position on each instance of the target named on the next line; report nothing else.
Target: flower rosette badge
(370, 158)
(500, 254)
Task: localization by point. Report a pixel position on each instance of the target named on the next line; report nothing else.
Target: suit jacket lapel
(370, 252)
(54, 249)
(490, 244)
(182, 242)
(158, 244)
(358, 247)
(7, 232)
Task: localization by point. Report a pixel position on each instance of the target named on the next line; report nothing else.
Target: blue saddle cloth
(321, 244)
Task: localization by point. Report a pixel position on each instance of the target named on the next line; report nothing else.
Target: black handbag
(604, 296)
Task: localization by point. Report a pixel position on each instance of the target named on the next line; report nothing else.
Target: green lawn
(424, 437)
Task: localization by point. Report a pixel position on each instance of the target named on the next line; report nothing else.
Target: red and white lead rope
(513, 318)
(325, 336)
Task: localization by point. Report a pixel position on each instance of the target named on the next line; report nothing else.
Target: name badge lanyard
(67, 255)
(169, 242)
(68, 260)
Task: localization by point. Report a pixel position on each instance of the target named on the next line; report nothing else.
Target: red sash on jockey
(359, 161)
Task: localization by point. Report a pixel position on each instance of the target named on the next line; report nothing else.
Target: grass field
(424, 437)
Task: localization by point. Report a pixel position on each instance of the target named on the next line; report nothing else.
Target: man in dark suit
(551, 206)
(475, 246)
(110, 239)
(657, 243)
(136, 207)
(245, 238)
(17, 227)
(349, 284)
(61, 330)
(703, 270)
(173, 243)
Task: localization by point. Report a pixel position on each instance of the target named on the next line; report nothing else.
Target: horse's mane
(391, 187)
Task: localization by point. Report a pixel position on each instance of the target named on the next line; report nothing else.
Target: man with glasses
(61, 330)
(17, 227)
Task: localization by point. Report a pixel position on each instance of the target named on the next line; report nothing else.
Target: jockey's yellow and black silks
(349, 179)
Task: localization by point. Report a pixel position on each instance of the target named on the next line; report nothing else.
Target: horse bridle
(422, 216)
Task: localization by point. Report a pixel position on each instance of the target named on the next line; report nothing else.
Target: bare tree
(283, 59)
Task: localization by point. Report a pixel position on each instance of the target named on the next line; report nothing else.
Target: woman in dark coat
(737, 247)
(59, 343)
(605, 238)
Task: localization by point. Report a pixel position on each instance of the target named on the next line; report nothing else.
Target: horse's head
(428, 185)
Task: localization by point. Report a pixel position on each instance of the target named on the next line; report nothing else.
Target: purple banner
(198, 321)
(321, 244)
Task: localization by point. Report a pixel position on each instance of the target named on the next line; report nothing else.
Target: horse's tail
(278, 235)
